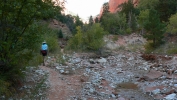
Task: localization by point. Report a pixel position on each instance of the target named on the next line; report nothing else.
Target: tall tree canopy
(105, 9)
(19, 33)
(172, 25)
(91, 20)
(154, 28)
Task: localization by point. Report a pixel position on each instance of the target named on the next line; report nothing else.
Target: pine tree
(154, 28)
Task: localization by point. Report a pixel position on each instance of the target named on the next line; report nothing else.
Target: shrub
(91, 39)
(60, 34)
(149, 47)
(172, 50)
(50, 36)
(128, 30)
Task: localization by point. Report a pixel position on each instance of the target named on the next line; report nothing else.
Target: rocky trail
(118, 75)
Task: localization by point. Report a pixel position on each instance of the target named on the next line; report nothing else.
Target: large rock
(171, 97)
(153, 74)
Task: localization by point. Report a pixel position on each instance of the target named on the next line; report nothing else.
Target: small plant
(135, 47)
(60, 34)
(172, 50)
(115, 38)
(4, 88)
(149, 47)
(128, 30)
(121, 47)
(91, 39)
(61, 59)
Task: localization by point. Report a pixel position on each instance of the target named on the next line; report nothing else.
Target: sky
(85, 8)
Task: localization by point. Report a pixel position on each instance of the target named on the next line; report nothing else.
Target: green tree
(78, 21)
(89, 39)
(17, 34)
(154, 28)
(96, 20)
(93, 38)
(147, 4)
(69, 21)
(105, 8)
(114, 23)
(130, 11)
(60, 34)
(172, 26)
(142, 18)
(91, 20)
(166, 8)
(75, 43)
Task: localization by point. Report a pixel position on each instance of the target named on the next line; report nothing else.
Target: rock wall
(113, 4)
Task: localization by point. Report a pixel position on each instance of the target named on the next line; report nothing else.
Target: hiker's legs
(43, 60)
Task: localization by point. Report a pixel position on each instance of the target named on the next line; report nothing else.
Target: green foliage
(69, 21)
(78, 21)
(76, 41)
(127, 8)
(155, 29)
(20, 34)
(91, 39)
(128, 30)
(105, 10)
(142, 18)
(172, 26)
(50, 37)
(147, 4)
(115, 38)
(172, 50)
(60, 34)
(4, 88)
(114, 23)
(149, 47)
(96, 20)
(166, 8)
(91, 20)
(130, 11)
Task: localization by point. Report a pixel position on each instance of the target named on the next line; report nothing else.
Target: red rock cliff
(113, 4)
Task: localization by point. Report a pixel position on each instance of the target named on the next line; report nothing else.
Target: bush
(91, 39)
(50, 36)
(172, 50)
(60, 34)
(149, 47)
(4, 88)
(128, 30)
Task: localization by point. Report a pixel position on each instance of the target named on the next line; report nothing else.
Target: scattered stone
(102, 60)
(156, 91)
(171, 97)
(121, 98)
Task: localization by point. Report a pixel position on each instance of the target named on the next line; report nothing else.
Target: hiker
(44, 48)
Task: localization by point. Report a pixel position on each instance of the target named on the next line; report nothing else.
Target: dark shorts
(44, 52)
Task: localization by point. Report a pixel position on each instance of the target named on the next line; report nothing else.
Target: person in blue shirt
(44, 48)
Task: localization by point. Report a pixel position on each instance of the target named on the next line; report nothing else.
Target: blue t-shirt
(44, 47)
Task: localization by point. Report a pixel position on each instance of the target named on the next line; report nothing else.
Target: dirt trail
(61, 88)
(118, 76)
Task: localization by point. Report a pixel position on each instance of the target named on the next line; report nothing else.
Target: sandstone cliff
(113, 4)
